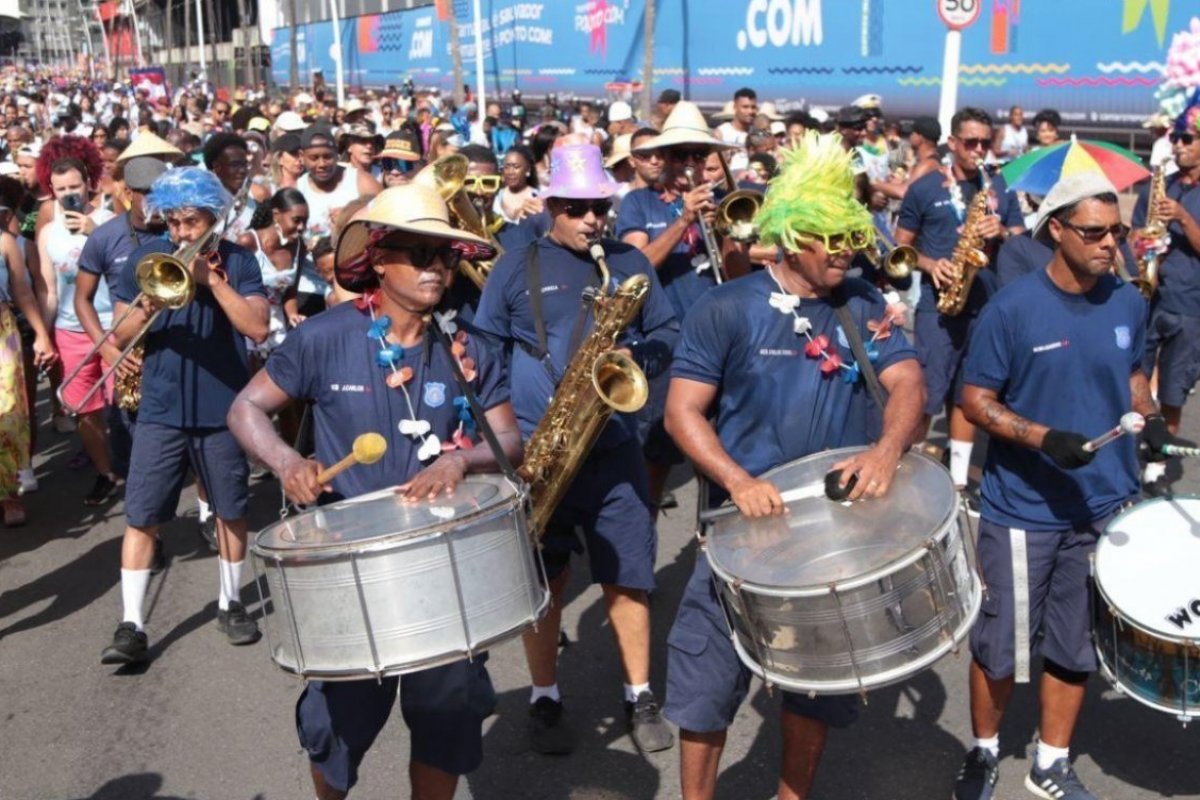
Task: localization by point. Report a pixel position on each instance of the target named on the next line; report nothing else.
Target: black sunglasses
(976, 144)
(853, 126)
(1094, 234)
(1185, 138)
(579, 208)
(423, 255)
(393, 165)
(682, 154)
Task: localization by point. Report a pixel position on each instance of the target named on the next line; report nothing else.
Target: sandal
(14, 513)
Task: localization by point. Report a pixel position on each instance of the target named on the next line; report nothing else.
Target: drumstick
(790, 496)
(368, 448)
(1179, 450)
(1132, 422)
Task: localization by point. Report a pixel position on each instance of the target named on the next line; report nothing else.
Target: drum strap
(1020, 571)
(854, 337)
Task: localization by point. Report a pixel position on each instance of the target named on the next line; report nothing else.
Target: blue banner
(1097, 61)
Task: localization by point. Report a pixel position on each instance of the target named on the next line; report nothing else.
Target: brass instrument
(736, 213)
(598, 381)
(897, 261)
(446, 176)
(969, 256)
(1153, 239)
(710, 238)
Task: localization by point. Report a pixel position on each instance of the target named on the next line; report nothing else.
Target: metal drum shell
(404, 601)
(796, 637)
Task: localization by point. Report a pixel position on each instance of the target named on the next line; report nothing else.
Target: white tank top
(321, 203)
(1014, 142)
(63, 249)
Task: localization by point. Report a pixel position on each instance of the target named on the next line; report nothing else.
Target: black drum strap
(859, 349)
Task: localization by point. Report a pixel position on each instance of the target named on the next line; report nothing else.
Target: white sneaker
(28, 480)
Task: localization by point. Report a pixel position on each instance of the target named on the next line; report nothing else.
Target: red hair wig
(80, 148)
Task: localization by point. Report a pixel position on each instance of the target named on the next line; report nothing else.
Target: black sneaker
(102, 491)
(160, 558)
(237, 625)
(128, 646)
(208, 532)
(970, 498)
(978, 776)
(646, 725)
(1057, 783)
(668, 501)
(549, 733)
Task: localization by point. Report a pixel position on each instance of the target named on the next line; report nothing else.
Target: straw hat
(685, 125)
(411, 208)
(726, 113)
(620, 150)
(767, 109)
(1159, 120)
(148, 144)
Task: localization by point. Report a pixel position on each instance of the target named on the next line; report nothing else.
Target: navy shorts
(120, 438)
(941, 345)
(1058, 564)
(444, 708)
(1174, 340)
(707, 682)
(158, 466)
(657, 445)
(610, 500)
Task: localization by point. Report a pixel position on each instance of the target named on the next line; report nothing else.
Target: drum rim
(333, 549)
(884, 570)
(1193, 641)
(1127, 691)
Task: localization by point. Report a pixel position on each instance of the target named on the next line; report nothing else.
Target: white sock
(991, 744)
(1047, 755)
(134, 583)
(960, 461)
(231, 583)
(632, 691)
(539, 692)
(204, 508)
(1153, 471)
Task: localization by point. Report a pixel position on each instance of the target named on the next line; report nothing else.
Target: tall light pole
(481, 91)
(339, 78)
(200, 40)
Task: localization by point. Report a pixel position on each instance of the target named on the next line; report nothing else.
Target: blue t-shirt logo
(435, 394)
(1124, 340)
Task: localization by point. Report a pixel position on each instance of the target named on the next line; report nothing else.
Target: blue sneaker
(978, 776)
(1057, 783)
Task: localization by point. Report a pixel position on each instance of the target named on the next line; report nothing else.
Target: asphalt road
(208, 720)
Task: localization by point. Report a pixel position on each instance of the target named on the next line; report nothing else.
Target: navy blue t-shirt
(195, 362)
(506, 314)
(928, 211)
(1179, 272)
(1062, 360)
(643, 211)
(463, 295)
(331, 361)
(527, 230)
(106, 250)
(774, 403)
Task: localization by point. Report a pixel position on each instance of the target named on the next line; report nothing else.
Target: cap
(140, 172)
(287, 143)
(669, 96)
(315, 133)
(928, 128)
(290, 121)
(851, 115)
(868, 101)
(260, 124)
(1066, 192)
(620, 111)
(403, 144)
(778, 128)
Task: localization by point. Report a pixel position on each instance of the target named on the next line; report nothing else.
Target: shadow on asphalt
(139, 786)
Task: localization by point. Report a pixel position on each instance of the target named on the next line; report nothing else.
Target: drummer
(1055, 359)
(766, 356)
(373, 365)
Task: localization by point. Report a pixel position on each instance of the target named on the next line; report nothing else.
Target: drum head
(821, 542)
(382, 515)
(1146, 565)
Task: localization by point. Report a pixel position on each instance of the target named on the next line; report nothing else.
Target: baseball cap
(851, 115)
(928, 128)
(140, 172)
(620, 111)
(287, 143)
(313, 135)
(290, 121)
(1066, 192)
(669, 96)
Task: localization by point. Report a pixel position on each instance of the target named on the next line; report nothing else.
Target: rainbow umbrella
(1038, 171)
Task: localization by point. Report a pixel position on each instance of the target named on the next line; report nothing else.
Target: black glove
(1155, 436)
(1065, 449)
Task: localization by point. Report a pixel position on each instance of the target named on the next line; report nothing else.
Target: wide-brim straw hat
(411, 208)
(620, 150)
(685, 125)
(726, 113)
(768, 110)
(148, 144)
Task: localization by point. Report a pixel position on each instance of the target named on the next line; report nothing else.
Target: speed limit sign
(959, 14)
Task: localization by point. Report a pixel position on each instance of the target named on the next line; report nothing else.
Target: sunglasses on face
(975, 144)
(481, 184)
(1182, 138)
(684, 156)
(575, 209)
(648, 155)
(1094, 234)
(857, 126)
(423, 255)
(393, 165)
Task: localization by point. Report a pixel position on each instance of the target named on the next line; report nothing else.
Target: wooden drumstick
(368, 448)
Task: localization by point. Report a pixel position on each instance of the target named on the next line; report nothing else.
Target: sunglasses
(1182, 138)
(685, 155)
(422, 256)
(393, 165)
(576, 209)
(481, 184)
(843, 243)
(1094, 234)
(976, 144)
(857, 126)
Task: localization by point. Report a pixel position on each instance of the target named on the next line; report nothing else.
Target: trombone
(164, 278)
(735, 217)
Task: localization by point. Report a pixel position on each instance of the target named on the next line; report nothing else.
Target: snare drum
(844, 597)
(376, 586)
(1146, 608)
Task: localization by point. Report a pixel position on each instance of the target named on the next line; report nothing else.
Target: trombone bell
(900, 261)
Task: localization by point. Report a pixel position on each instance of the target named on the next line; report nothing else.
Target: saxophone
(1153, 239)
(969, 256)
(598, 381)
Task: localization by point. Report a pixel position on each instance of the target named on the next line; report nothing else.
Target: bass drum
(1147, 604)
(839, 597)
(377, 586)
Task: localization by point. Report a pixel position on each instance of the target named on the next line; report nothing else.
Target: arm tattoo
(997, 415)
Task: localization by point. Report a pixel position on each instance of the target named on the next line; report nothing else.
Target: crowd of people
(323, 244)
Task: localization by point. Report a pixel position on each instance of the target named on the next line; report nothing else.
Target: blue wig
(188, 187)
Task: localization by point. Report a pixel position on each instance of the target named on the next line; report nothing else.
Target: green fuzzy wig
(812, 194)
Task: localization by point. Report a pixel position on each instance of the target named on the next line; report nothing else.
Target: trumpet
(165, 279)
(710, 237)
(446, 177)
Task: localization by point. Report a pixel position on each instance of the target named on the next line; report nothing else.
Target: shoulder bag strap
(854, 337)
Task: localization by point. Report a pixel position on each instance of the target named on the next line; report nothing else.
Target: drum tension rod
(862, 689)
